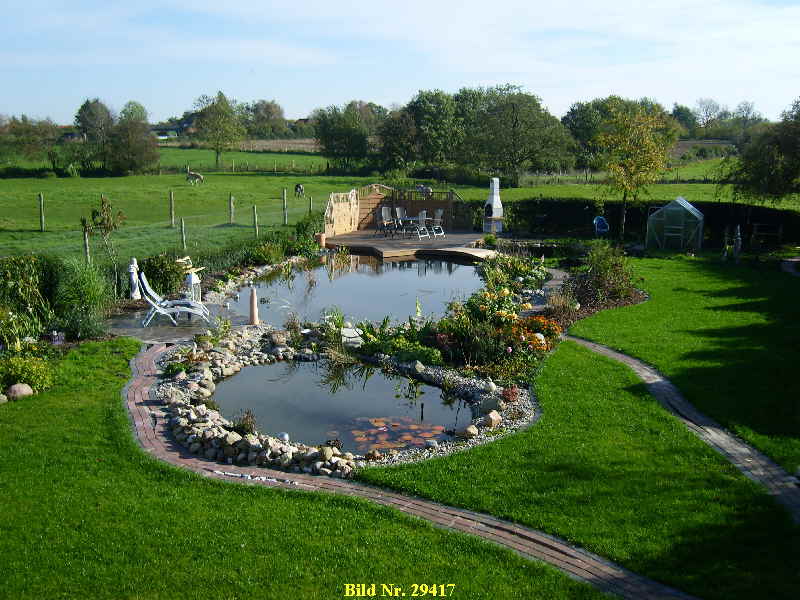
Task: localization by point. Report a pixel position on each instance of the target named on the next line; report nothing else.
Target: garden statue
(133, 269)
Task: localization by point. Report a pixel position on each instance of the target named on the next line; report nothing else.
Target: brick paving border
(752, 463)
(150, 428)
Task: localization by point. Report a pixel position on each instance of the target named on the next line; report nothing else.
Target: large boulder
(19, 390)
(490, 403)
(492, 419)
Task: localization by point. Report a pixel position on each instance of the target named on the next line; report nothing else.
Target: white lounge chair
(169, 307)
(419, 227)
(169, 311)
(436, 228)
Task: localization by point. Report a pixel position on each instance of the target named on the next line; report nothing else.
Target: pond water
(362, 287)
(361, 406)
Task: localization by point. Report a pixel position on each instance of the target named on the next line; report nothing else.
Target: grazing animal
(299, 191)
(193, 177)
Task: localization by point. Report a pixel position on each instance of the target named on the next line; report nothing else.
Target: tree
(685, 117)
(707, 111)
(264, 119)
(94, 121)
(341, 135)
(435, 122)
(769, 165)
(370, 115)
(514, 133)
(635, 141)
(132, 147)
(397, 140)
(35, 140)
(218, 123)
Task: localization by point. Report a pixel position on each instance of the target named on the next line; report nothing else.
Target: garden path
(150, 427)
(752, 463)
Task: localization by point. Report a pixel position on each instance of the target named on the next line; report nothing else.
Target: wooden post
(183, 234)
(86, 246)
(255, 219)
(230, 209)
(285, 209)
(310, 204)
(41, 212)
(172, 209)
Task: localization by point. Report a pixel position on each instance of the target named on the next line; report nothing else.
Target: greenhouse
(677, 226)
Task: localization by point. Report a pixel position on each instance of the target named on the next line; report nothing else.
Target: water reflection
(363, 287)
(359, 404)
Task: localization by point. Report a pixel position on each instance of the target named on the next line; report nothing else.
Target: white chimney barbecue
(493, 209)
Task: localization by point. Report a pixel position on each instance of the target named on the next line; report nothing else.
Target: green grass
(144, 200)
(86, 514)
(607, 468)
(727, 336)
(203, 160)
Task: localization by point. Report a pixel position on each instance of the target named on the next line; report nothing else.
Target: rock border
(203, 431)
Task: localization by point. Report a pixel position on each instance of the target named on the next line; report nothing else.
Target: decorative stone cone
(320, 238)
(253, 307)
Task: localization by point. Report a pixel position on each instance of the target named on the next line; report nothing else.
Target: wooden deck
(456, 245)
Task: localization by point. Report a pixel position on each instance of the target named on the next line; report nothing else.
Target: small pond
(363, 287)
(361, 406)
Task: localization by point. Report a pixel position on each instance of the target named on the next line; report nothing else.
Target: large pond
(361, 406)
(362, 287)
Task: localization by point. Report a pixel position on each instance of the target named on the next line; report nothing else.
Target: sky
(310, 54)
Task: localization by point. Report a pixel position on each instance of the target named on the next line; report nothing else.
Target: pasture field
(202, 160)
(144, 201)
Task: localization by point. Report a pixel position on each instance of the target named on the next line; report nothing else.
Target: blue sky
(307, 54)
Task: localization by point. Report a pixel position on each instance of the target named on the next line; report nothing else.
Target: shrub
(408, 351)
(164, 275)
(36, 372)
(302, 246)
(607, 276)
(562, 306)
(268, 253)
(24, 311)
(82, 298)
(490, 240)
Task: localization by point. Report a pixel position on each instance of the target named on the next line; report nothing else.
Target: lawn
(607, 468)
(86, 514)
(727, 336)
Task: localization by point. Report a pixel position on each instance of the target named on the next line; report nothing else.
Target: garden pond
(360, 405)
(362, 287)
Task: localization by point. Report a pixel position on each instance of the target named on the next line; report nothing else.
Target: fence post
(233, 166)
(230, 209)
(41, 212)
(285, 209)
(172, 209)
(255, 219)
(86, 246)
(310, 204)
(183, 234)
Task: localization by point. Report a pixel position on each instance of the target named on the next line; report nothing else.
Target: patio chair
(401, 219)
(188, 306)
(417, 225)
(601, 226)
(169, 311)
(386, 223)
(436, 228)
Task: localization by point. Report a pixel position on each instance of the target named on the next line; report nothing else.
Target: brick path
(151, 431)
(752, 463)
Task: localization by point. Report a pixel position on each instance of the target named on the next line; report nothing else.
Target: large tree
(132, 146)
(769, 165)
(685, 117)
(513, 133)
(32, 139)
(635, 141)
(341, 135)
(218, 123)
(264, 119)
(438, 132)
(370, 115)
(397, 140)
(94, 121)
